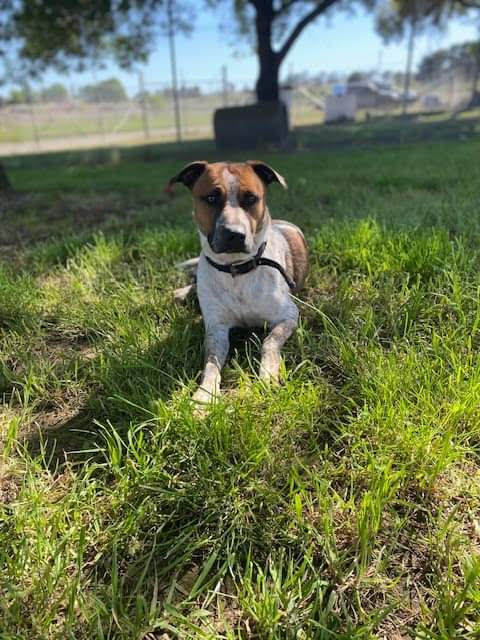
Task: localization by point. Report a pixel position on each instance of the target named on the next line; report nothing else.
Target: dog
(249, 263)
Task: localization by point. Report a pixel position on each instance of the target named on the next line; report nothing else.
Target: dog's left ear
(189, 174)
(266, 173)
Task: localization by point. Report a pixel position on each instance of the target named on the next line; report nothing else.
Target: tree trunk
(5, 184)
(267, 88)
(267, 83)
(408, 70)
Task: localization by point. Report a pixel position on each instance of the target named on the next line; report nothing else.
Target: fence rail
(149, 116)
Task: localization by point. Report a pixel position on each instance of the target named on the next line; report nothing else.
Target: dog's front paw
(269, 369)
(202, 398)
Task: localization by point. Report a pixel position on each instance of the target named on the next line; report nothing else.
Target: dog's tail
(188, 265)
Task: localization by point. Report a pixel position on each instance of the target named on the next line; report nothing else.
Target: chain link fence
(146, 113)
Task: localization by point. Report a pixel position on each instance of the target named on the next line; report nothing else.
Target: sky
(340, 43)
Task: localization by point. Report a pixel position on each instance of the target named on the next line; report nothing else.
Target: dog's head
(229, 201)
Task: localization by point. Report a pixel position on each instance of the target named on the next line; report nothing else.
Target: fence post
(408, 70)
(173, 63)
(225, 85)
(33, 120)
(97, 101)
(143, 105)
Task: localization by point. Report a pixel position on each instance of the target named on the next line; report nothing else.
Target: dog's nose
(229, 240)
(236, 238)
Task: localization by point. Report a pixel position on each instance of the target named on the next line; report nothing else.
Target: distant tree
(50, 33)
(190, 91)
(110, 90)
(275, 26)
(459, 58)
(433, 65)
(155, 100)
(18, 96)
(54, 93)
(333, 78)
(296, 79)
(72, 34)
(357, 76)
(395, 17)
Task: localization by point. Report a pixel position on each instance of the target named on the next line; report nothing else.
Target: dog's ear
(189, 174)
(266, 173)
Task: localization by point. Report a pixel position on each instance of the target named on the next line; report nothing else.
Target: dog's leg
(190, 266)
(270, 363)
(181, 295)
(216, 346)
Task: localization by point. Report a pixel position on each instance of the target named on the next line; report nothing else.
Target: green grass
(344, 504)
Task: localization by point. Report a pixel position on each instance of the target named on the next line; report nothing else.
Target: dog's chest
(245, 300)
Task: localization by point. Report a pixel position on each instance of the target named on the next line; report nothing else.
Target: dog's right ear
(189, 174)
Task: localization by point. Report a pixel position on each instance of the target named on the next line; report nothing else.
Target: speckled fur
(254, 299)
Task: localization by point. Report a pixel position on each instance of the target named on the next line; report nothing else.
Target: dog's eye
(212, 198)
(249, 199)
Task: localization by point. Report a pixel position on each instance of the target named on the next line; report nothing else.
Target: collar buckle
(234, 268)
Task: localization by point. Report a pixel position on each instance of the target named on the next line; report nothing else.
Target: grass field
(343, 504)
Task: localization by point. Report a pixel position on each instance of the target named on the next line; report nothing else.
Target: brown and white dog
(248, 266)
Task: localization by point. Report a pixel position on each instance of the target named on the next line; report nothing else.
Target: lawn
(344, 503)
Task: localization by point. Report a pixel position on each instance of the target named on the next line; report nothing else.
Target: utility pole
(173, 64)
(143, 104)
(33, 120)
(97, 99)
(225, 85)
(408, 70)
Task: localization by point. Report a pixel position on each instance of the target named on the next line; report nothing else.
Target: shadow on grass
(127, 378)
(82, 192)
(124, 385)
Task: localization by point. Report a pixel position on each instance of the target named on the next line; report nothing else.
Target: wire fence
(148, 114)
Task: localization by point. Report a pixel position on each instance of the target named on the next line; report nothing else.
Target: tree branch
(321, 8)
(285, 7)
(469, 4)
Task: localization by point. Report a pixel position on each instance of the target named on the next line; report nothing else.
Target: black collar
(239, 268)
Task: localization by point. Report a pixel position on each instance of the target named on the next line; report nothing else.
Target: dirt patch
(9, 489)
(55, 418)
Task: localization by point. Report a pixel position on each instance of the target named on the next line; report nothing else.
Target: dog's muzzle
(228, 240)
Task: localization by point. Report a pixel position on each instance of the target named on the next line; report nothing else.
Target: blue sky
(342, 43)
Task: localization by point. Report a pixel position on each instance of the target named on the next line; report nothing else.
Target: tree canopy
(275, 26)
(110, 90)
(54, 93)
(48, 33)
(51, 33)
(457, 58)
(394, 17)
